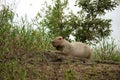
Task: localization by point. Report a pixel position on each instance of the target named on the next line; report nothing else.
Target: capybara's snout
(53, 42)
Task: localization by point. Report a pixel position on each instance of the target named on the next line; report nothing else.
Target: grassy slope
(51, 66)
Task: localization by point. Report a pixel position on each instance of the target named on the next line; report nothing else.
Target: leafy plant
(86, 26)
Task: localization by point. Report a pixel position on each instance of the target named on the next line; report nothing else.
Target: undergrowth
(107, 49)
(17, 40)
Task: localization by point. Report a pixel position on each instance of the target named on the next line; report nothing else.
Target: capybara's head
(58, 41)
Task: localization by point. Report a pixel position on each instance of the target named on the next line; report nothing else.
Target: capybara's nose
(52, 42)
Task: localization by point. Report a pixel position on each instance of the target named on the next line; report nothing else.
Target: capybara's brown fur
(76, 49)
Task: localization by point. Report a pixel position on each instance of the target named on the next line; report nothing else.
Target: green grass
(11, 70)
(107, 50)
(21, 38)
(69, 75)
(17, 40)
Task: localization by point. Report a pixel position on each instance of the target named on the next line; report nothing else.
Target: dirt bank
(52, 66)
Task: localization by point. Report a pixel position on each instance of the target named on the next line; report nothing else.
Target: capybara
(75, 49)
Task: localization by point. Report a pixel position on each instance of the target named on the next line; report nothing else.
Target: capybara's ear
(63, 37)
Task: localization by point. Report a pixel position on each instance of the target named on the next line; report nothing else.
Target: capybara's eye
(60, 38)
